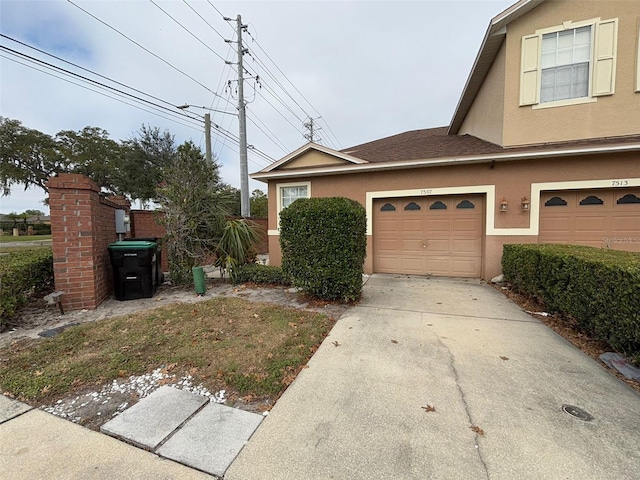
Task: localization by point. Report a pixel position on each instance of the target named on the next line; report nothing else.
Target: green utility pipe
(199, 280)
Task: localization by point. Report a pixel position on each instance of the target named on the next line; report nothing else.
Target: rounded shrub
(323, 242)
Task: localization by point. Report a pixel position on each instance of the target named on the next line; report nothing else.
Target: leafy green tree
(27, 157)
(91, 152)
(133, 167)
(195, 205)
(259, 204)
(13, 217)
(142, 166)
(34, 213)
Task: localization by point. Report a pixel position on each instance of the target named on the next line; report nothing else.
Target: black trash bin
(135, 269)
(159, 272)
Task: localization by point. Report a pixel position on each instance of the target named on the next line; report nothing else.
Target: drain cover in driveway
(577, 412)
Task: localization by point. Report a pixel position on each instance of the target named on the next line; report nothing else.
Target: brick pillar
(82, 226)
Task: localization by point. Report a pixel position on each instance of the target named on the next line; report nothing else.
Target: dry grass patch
(253, 348)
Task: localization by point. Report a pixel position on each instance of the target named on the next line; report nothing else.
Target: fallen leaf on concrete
(394, 341)
(477, 430)
(429, 408)
(504, 358)
(335, 343)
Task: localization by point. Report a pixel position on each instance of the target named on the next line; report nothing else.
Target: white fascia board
(337, 170)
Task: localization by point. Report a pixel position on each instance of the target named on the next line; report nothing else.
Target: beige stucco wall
(512, 181)
(485, 117)
(312, 158)
(612, 115)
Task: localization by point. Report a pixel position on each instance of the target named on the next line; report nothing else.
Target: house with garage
(543, 147)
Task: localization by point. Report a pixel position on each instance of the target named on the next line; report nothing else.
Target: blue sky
(371, 69)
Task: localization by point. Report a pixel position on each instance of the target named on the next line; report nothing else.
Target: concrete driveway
(496, 380)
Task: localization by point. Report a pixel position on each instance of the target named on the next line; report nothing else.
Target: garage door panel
(414, 265)
(626, 223)
(463, 246)
(388, 245)
(438, 266)
(438, 246)
(412, 225)
(466, 267)
(438, 225)
(411, 245)
(466, 226)
(387, 264)
(429, 240)
(556, 224)
(596, 223)
(387, 225)
(586, 221)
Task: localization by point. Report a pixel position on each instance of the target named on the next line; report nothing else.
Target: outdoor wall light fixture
(525, 204)
(504, 205)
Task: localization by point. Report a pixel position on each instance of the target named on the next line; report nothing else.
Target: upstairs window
(565, 64)
(571, 63)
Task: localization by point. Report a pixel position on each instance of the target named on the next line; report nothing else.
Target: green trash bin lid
(133, 245)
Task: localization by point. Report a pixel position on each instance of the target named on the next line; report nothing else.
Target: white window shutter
(604, 58)
(529, 71)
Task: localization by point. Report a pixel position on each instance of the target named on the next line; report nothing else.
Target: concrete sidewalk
(445, 378)
(37, 445)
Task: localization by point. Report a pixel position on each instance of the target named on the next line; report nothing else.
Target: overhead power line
(146, 50)
(187, 30)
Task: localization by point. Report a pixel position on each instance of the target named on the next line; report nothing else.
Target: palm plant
(237, 245)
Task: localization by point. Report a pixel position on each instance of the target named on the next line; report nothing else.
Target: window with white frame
(290, 194)
(287, 193)
(570, 63)
(565, 60)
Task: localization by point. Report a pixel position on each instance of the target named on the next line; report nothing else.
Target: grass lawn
(24, 238)
(247, 347)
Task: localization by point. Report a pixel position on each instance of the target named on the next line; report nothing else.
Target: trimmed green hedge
(600, 288)
(21, 274)
(323, 243)
(263, 274)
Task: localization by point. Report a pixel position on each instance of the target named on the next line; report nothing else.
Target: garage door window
(629, 198)
(438, 206)
(555, 202)
(387, 207)
(465, 204)
(412, 206)
(591, 200)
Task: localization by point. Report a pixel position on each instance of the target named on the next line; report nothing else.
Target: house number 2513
(619, 183)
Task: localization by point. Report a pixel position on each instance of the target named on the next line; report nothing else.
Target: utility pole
(242, 116)
(207, 136)
(312, 131)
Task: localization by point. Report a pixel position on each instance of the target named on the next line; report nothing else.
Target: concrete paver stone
(11, 408)
(212, 439)
(154, 418)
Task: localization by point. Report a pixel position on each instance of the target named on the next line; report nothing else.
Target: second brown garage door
(429, 235)
(605, 218)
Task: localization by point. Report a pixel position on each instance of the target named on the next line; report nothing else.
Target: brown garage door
(600, 218)
(429, 235)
